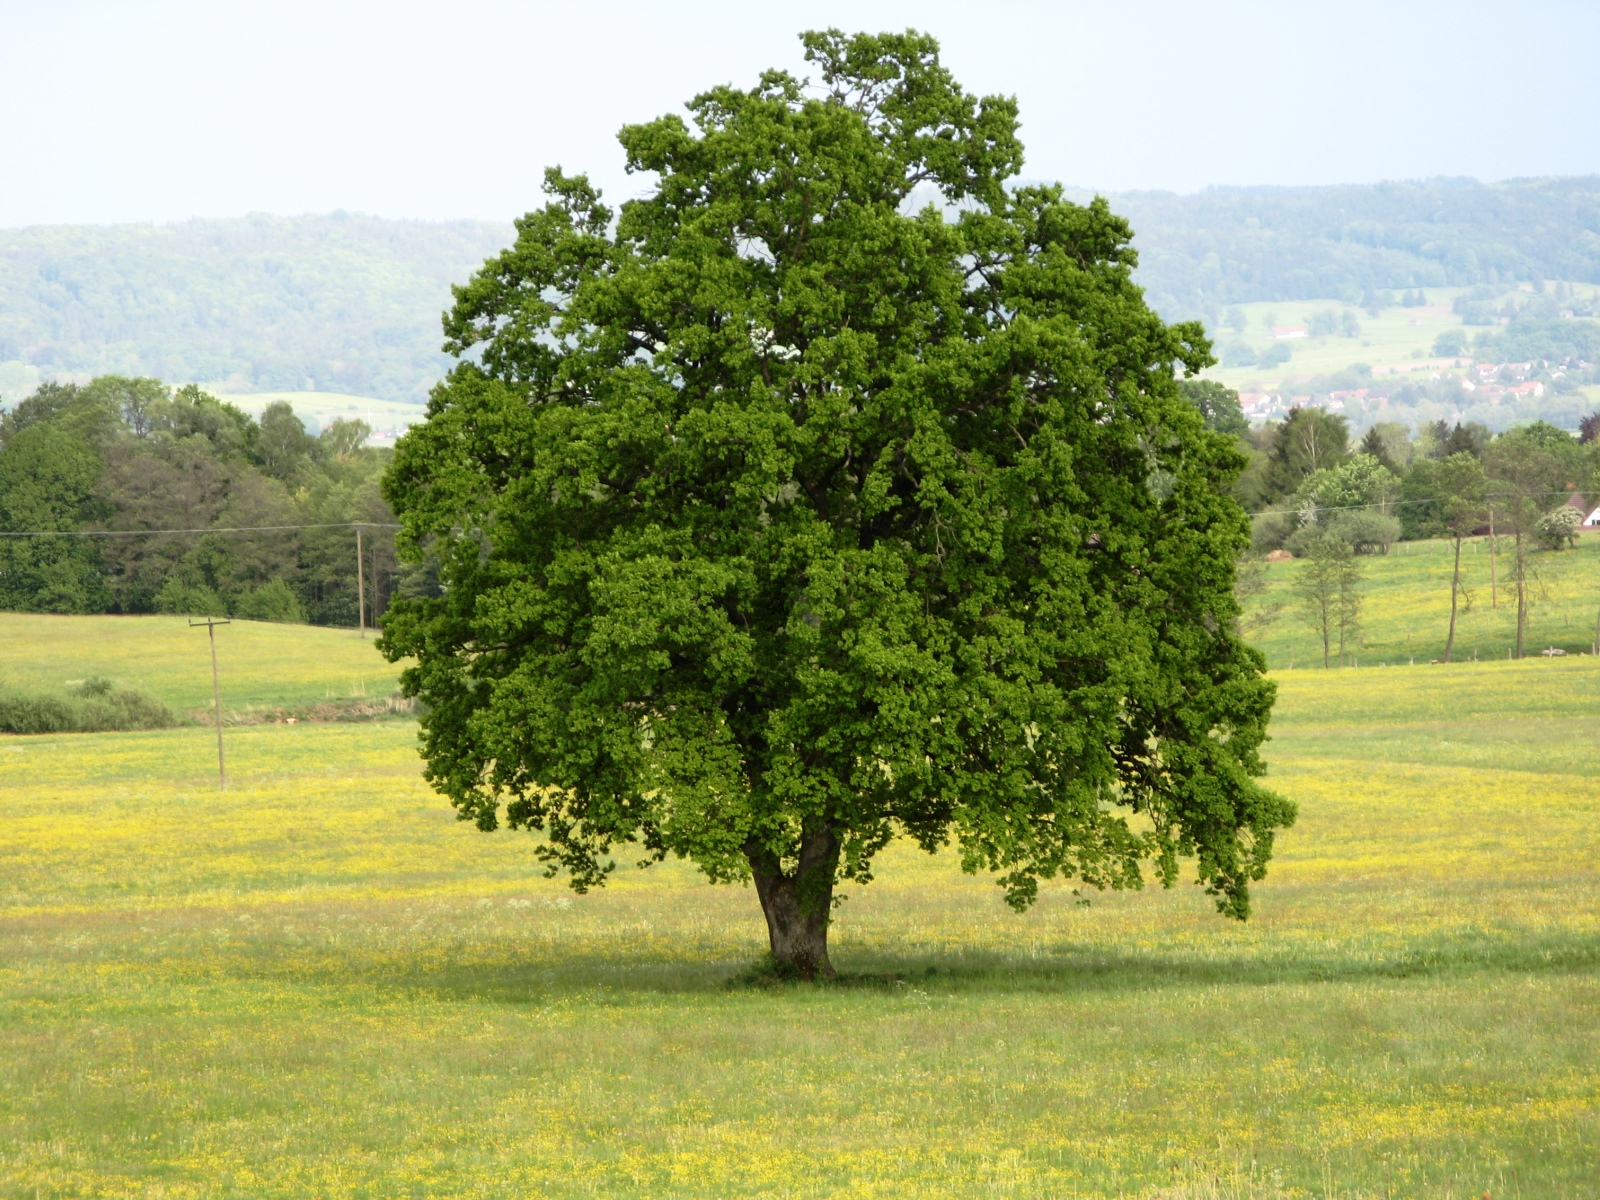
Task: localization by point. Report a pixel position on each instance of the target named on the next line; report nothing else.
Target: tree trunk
(1494, 586)
(798, 906)
(1522, 593)
(1455, 587)
(1326, 620)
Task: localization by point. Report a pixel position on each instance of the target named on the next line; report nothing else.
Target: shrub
(1364, 532)
(1238, 353)
(95, 707)
(189, 600)
(34, 714)
(273, 601)
(1270, 530)
(1558, 529)
(1301, 541)
(1368, 532)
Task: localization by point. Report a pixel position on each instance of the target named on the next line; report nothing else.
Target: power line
(1294, 512)
(25, 533)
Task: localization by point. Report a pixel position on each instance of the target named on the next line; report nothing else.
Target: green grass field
(319, 983)
(259, 664)
(1398, 341)
(1406, 613)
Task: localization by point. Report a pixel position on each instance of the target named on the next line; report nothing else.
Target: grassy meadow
(259, 664)
(1398, 341)
(1406, 612)
(319, 983)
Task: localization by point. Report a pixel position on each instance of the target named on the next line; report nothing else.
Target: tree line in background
(127, 456)
(122, 457)
(349, 303)
(336, 302)
(1315, 495)
(1229, 245)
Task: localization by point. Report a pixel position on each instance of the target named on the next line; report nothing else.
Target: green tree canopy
(1388, 444)
(1528, 470)
(1361, 482)
(1306, 441)
(47, 483)
(128, 456)
(775, 519)
(89, 416)
(1218, 404)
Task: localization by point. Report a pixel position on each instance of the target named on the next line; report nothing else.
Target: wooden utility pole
(377, 600)
(211, 624)
(361, 588)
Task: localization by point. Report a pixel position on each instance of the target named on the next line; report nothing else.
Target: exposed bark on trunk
(798, 906)
(1494, 586)
(1522, 593)
(1455, 588)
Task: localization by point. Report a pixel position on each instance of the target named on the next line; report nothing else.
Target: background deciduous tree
(129, 457)
(47, 482)
(1527, 467)
(775, 520)
(1328, 587)
(1218, 404)
(1461, 488)
(1307, 441)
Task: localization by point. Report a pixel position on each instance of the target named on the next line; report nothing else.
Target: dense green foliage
(94, 706)
(776, 520)
(120, 455)
(339, 302)
(1218, 405)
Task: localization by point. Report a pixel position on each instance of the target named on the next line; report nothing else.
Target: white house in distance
(1592, 521)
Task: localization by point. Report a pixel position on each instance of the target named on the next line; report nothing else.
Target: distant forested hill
(351, 304)
(340, 302)
(1230, 245)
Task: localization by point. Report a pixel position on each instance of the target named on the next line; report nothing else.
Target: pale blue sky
(160, 111)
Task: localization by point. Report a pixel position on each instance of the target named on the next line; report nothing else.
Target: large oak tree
(835, 490)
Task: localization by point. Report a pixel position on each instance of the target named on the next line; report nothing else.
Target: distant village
(1481, 383)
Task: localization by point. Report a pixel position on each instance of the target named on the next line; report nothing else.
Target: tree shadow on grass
(506, 976)
(1070, 969)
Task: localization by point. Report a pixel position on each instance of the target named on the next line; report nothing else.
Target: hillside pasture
(1396, 343)
(320, 983)
(1406, 613)
(261, 665)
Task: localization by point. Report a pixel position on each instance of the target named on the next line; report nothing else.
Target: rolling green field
(1398, 341)
(1406, 613)
(259, 664)
(319, 983)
